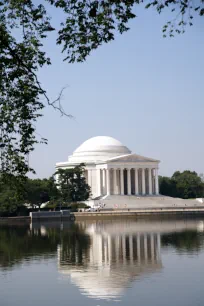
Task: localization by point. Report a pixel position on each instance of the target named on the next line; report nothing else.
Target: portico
(127, 181)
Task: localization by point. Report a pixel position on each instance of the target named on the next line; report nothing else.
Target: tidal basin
(103, 262)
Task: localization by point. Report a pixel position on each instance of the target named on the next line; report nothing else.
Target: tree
(39, 191)
(52, 189)
(11, 196)
(167, 186)
(72, 184)
(24, 26)
(34, 192)
(186, 184)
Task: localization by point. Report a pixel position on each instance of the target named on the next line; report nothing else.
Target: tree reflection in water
(186, 241)
(18, 243)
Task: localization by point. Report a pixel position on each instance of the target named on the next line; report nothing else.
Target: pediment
(132, 158)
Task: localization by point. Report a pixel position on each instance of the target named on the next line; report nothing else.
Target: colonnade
(127, 181)
(126, 248)
(121, 248)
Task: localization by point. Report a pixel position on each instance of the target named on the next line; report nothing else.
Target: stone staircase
(135, 202)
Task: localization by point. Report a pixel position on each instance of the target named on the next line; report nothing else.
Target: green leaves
(186, 184)
(20, 90)
(202, 12)
(183, 14)
(148, 5)
(72, 184)
(89, 24)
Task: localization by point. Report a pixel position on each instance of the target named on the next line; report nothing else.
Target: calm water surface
(103, 263)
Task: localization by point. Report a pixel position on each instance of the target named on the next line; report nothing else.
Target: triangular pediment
(132, 158)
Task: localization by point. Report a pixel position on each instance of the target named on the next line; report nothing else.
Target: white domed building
(111, 169)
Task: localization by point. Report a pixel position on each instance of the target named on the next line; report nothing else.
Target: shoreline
(144, 212)
(139, 212)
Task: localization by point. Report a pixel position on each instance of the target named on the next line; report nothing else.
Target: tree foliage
(72, 184)
(186, 184)
(23, 27)
(71, 187)
(89, 24)
(29, 191)
(85, 25)
(11, 195)
(39, 191)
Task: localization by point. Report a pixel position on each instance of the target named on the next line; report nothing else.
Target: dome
(102, 143)
(99, 148)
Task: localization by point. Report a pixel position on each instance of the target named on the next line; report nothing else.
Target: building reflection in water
(113, 261)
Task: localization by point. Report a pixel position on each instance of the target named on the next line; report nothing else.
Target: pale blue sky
(142, 89)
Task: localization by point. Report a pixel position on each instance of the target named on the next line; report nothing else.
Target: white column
(118, 181)
(156, 182)
(108, 181)
(152, 247)
(158, 247)
(104, 181)
(153, 182)
(121, 182)
(114, 182)
(143, 182)
(136, 182)
(105, 252)
(138, 248)
(99, 181)
(109, 249)
(124, 248)
(129, 181)
(145, 247)
(117, 248)
(89, 178)
(131, 248)
(150, 180)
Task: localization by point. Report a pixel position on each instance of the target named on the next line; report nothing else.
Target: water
(120, 262)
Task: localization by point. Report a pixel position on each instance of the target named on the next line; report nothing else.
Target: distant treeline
(185, 185)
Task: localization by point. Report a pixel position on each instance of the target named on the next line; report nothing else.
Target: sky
(142, 89)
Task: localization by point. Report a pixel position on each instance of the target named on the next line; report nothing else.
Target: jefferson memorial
(112, 169)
